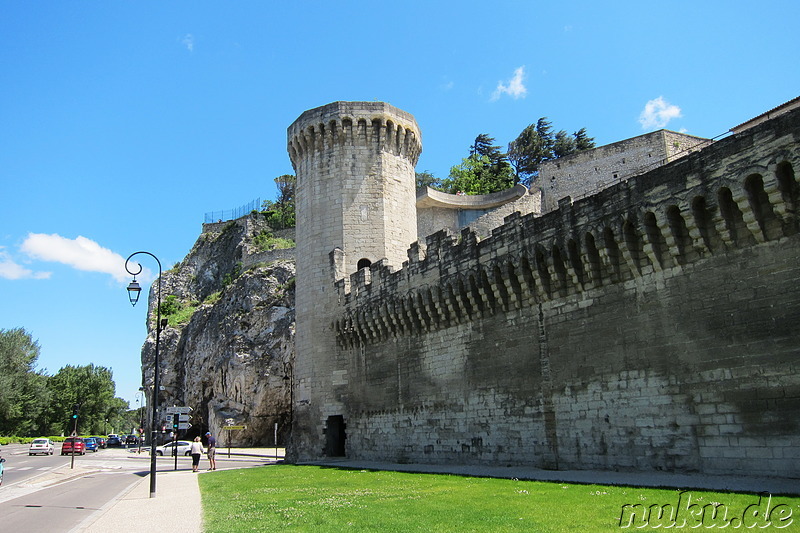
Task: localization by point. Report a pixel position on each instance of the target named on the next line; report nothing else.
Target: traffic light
(175, 421)
(75, 411)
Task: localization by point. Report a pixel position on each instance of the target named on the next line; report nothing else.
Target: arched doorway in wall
(363, 263)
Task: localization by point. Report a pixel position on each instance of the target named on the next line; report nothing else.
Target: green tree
(533, 145)
(23, 394)
(485, 171)
(122, 420)
(483, 146)
(582, 140)
(287, 183)
(499, 166)
(563, 144)
(426, 179)
(537, 143)
(476, 175)
(92, 388)
(280, 214)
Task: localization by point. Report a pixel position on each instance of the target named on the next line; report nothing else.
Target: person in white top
(196, 450)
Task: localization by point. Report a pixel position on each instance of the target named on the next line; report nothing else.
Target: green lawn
(309, 498)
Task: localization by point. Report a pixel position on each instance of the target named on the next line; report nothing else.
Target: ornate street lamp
(134, 290)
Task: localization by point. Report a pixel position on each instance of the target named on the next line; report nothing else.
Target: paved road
(19, 466)
(53, 493)
(63, 506)
(44, 493)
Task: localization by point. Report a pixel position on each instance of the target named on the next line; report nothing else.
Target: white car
(41, 446)
(168, 449)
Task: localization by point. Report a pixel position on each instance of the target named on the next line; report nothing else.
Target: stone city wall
(588, 172)
(531, 203)
(652, 326)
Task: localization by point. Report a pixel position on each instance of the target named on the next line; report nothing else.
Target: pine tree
(538, 143)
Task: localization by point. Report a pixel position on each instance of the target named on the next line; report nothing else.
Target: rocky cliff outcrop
(228, 347)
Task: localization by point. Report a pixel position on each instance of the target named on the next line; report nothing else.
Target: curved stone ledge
(433, 198)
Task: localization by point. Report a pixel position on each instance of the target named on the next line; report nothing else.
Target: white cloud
(188, 42)
(657, 113)
(9, 269)
(79, 253)
(515, 88)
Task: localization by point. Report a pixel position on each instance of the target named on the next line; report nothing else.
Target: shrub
(212, 298)
(183, 316)
(266, 241)
(231, 276)
(170, 306)
(176, 312)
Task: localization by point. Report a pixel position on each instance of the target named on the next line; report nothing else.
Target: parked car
(169, 448)
(41, 446)
(132, 439)
(91, 444)
(113, 440)
(101, 441)
(73, 445)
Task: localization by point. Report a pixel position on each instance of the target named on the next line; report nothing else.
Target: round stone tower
(355, 205)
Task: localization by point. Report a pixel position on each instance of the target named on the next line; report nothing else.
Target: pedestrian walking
(212, 451)
(196, 450)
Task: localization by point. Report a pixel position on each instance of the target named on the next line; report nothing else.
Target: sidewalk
(177, 506)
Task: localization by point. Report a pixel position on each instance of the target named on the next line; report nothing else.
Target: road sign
(231, 428)
(179, 409)
(184, 425)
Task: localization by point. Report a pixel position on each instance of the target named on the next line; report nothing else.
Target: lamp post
(141, 416)
(288, 378)
(134, 291)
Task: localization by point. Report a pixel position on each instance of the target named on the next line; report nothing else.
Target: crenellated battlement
(369, 125)
(739, 193)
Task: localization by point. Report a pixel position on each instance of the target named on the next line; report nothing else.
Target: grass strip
(320, 499)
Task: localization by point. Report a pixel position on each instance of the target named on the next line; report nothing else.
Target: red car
(73, 445)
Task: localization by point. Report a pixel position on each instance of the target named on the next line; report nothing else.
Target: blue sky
(123, 123)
